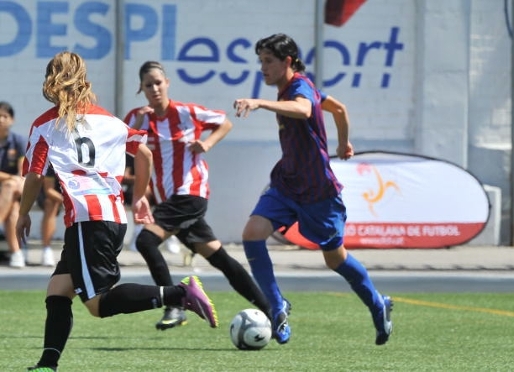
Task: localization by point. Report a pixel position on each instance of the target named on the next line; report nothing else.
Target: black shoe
(173, 317)
(38, 368)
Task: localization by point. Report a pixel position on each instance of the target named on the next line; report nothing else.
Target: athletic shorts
(321, 222)
(185, 213)
(90, 256)
(40, 200)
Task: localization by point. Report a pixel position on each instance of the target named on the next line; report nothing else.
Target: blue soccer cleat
(383, 322)
(286, 306)
(280, 326)
(281, 329)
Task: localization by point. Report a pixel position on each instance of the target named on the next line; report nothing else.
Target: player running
(86, 147)
(303, 187)
(177, 136)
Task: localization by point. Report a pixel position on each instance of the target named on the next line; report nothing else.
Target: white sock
(135, 233)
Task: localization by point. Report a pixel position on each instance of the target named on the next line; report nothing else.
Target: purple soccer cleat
(197, 301)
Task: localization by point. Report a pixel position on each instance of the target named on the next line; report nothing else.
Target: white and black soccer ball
(250, 329)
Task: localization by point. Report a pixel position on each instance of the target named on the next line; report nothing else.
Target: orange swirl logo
(373, 196)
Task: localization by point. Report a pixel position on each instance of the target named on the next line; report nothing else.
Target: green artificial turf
(331, 332)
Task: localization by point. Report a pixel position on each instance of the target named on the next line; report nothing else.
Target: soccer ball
(250, 330)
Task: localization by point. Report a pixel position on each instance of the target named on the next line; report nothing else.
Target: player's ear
(289, 61)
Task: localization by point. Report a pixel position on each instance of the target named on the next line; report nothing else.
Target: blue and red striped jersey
(304, 173)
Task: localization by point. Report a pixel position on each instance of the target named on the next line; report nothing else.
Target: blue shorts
(322, 222)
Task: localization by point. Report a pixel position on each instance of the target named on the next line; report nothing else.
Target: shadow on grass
(138, 348)
(27, 337)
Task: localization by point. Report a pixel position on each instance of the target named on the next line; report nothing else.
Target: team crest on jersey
(73, 185)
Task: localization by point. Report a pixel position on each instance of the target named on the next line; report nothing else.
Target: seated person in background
(50, 201)
(12, 152)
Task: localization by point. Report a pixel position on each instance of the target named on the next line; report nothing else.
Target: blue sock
(262, 269)
(357, 276)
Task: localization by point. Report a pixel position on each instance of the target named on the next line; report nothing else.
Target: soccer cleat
(382, 321)
(37, 368)
(173, 317)
(281, 329)
(197, 301)
(286, 306)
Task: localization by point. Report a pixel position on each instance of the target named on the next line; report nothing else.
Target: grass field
(331, 332)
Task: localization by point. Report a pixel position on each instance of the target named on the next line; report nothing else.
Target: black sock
(58, 324)
(132, 298)
(147, 243)
(239, 279)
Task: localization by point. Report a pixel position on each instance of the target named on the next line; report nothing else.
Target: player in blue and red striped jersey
(86, 147)
(303, 187)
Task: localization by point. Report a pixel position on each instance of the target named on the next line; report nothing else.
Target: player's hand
(141, 211)
(144, 110)
(345, 152)
(23, 228)
(245, 105)
(198, 146)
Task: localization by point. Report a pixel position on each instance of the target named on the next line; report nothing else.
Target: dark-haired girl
(303, 187)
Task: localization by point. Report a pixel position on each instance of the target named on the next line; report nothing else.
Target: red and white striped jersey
(177, 170)
(89, 162)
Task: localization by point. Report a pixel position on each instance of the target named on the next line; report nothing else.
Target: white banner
(406, 201)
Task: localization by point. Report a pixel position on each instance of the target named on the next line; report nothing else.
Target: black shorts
(185, 213)
(40, 200)
(90, 256)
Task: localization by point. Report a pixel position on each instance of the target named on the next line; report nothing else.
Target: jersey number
(85, 143)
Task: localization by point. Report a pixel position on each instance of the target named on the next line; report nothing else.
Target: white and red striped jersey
(177, 170)
(89, 162)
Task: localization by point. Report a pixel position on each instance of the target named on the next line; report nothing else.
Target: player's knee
(9, 183)
(206, 250)
(147, 240)
(252, 232)
(218, 257)
(92, 306)
(334, 257)
(257, 228)
(59, 305)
